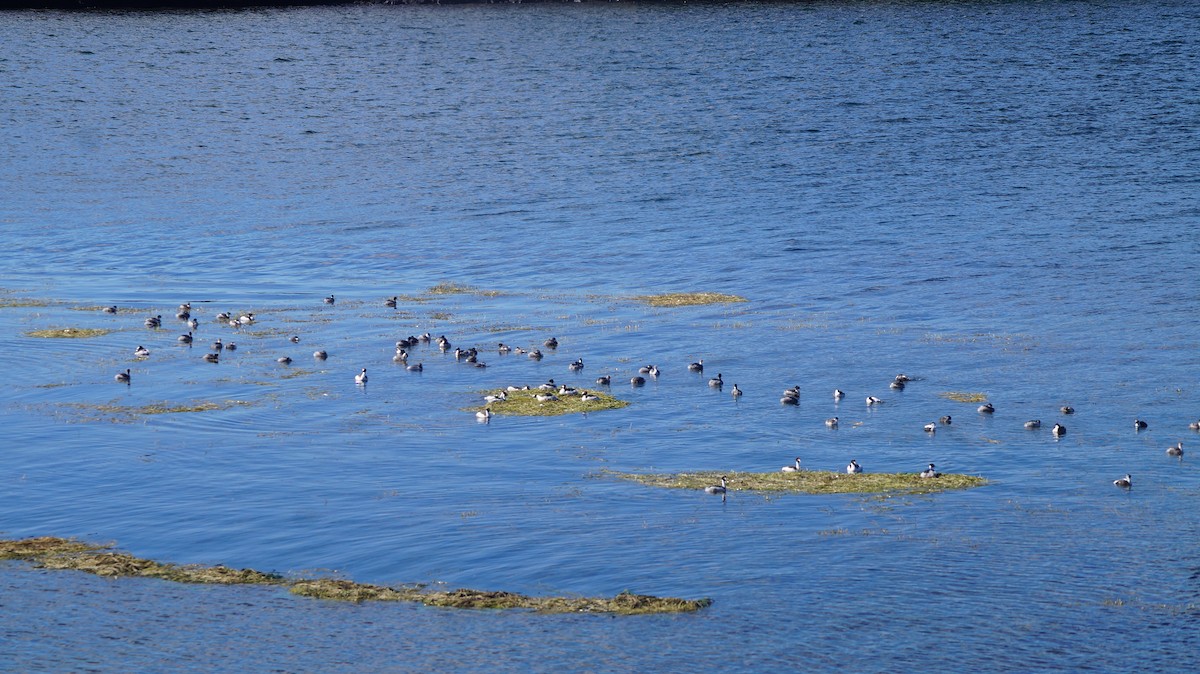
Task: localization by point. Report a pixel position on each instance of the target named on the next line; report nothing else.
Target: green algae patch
(688, 299)
(68, 554)
(964, 397)
(625, 603)
(526, 404)
(68, 333)
(810, 482)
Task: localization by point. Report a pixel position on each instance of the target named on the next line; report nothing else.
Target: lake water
(996, 198)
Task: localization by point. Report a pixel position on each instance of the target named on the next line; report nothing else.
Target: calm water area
(999, 198)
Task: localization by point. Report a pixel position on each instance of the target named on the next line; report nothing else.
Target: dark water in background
(992, 197)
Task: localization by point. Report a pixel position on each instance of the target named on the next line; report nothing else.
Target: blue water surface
(992, 198)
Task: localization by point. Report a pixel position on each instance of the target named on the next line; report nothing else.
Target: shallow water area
(992, 199)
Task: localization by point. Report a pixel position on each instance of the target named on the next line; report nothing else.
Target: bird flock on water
(551, 392)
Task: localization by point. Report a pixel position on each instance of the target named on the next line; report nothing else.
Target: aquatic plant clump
(811, 482)
(449, 288)
(964, 397)
(688, 299)
(60, 553)
(68, 333)
(525, 403)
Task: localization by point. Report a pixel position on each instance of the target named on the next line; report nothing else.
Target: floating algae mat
(963, 397)
(688, 299)
(525, 403)
(93, 412)
(68, 333)
(60, 553)
(811, 482)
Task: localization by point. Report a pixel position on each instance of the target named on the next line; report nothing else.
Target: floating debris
(963, 397)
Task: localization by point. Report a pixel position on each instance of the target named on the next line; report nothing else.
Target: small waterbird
(123, 377)
(717, 488)
(930, 472)
(792, 469)
(1124, 482)
(361, 377)
(853, 468)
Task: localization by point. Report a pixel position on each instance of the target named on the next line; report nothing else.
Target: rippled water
(989, 197)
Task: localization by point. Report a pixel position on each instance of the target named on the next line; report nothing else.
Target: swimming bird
(716, 382)
(931, 427)
(832, 422)
(605, 380)
(637, 380)
(551, 343)
(331, 300)
(426, 337)
(1124, 482)
(185, 339)
(222, 317)
(246, 319)
(1139, 425)
(284, 360)
(645, 369)
(294, 339)
(1195, 425)
(717, 489)
(930, 472)
(853, 468)
(123, 377)
(793, 391)
(154, 321)
(838, 394)
(212, 357)
(872, 400)
(1033, 423)
(183, 315)
(792, 469)
(390, 302)
(416, 368)
(320, 354)
(986, 408)
(903, 377)
(484, 414)
(697, 366)
(789, 400)
(736, 392)
(217, 345)
(896, 385)
(110, 310)
(945, 421)
(141, 351)
(231, 346)
(193, 323)
(1175, 450)
(186, 306)
(502, 348)
(1059, 430)
(576, 366)
(535, 354)
(1067, 409)
(361, 377)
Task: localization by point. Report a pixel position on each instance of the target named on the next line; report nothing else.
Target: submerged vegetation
(68, 333)
(115, 412)
(963, 397)
(688, 299)
(450, 288)
(60, 553)
(810, 482)
(525, 403)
